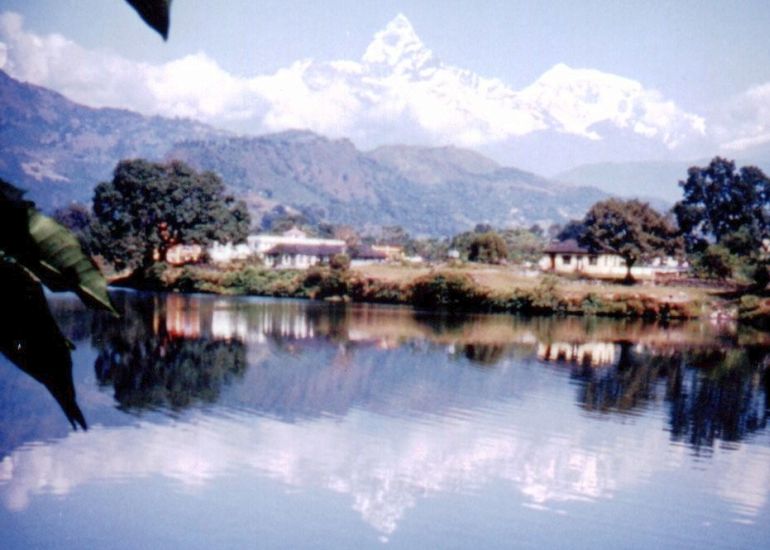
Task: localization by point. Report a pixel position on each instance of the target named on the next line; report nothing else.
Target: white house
(224, 253)
(569, 257)
(368, 255)
(301, 255)
(259, 245)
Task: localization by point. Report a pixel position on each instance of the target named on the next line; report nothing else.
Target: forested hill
(425, 190)
(59, 150)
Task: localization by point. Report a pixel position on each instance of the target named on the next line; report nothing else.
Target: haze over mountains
(437, 191)
(59, 150)
(399, 91)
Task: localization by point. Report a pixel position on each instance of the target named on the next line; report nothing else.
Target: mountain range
(428, 191)
(59, 150)
(400, 91)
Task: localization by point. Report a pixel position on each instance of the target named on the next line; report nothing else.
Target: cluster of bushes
(241, 278)
(442, 290)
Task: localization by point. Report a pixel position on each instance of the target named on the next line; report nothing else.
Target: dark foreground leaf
(30, 338)
(156, 13)
(47, 250)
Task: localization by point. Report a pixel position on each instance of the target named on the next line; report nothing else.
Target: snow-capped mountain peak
(397, 46)
(578, 99)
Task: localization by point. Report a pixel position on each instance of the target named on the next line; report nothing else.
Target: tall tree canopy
(632, 229)
(724, 206)
(149, 207)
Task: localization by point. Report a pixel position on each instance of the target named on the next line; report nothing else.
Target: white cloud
(745, 121)
(383, 477)
(193, 86)
(398, 89)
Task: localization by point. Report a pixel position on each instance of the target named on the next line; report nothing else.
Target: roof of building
(369, 253)
(300, 249)
(294, 232)
(571, 246)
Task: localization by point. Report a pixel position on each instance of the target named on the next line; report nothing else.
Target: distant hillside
(643, 179)
(426, 190)
(59, 150)
(431, 165)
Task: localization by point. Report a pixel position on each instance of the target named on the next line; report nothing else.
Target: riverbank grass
(461, 287)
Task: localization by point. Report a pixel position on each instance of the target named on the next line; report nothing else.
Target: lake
(246, 422)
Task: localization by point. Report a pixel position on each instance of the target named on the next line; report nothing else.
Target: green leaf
(156, 13)
(47, 250)
(62, 265)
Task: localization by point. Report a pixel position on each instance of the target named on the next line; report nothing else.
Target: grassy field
(505, 279)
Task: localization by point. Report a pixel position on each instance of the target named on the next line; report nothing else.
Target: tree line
(721, 225)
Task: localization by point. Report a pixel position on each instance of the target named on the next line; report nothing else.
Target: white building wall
(223, 253)
(259, 244)
(606, 265)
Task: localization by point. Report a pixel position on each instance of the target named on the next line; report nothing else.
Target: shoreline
(467, 288)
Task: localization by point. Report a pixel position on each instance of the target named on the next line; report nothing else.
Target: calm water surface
(284, 424)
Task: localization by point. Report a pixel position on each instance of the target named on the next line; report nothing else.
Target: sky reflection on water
(401, 413)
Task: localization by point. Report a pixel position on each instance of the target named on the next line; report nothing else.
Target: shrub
(545, 297)
(340, 262)
(446, 291)
(321, 282)
(376, 291)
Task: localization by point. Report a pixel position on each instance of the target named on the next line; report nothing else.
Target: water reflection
(158, 356)
(390, 408)
(175, 351)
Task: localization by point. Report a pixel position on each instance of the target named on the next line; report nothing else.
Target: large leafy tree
(725, 206)
(631, 228)
(150, 207)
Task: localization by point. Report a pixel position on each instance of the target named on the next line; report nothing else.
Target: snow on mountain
(577, 99)
(399, 84)
(399, 91)
(398, 47)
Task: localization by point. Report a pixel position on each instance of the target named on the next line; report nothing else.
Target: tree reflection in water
(158, 356)
(711, 394)
(176, 351)
(721, 398)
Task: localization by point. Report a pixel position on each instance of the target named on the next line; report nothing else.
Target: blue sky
(697, 52)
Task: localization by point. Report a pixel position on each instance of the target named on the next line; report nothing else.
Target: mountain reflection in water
(390, 406)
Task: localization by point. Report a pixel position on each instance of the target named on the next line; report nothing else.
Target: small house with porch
(569, 257)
